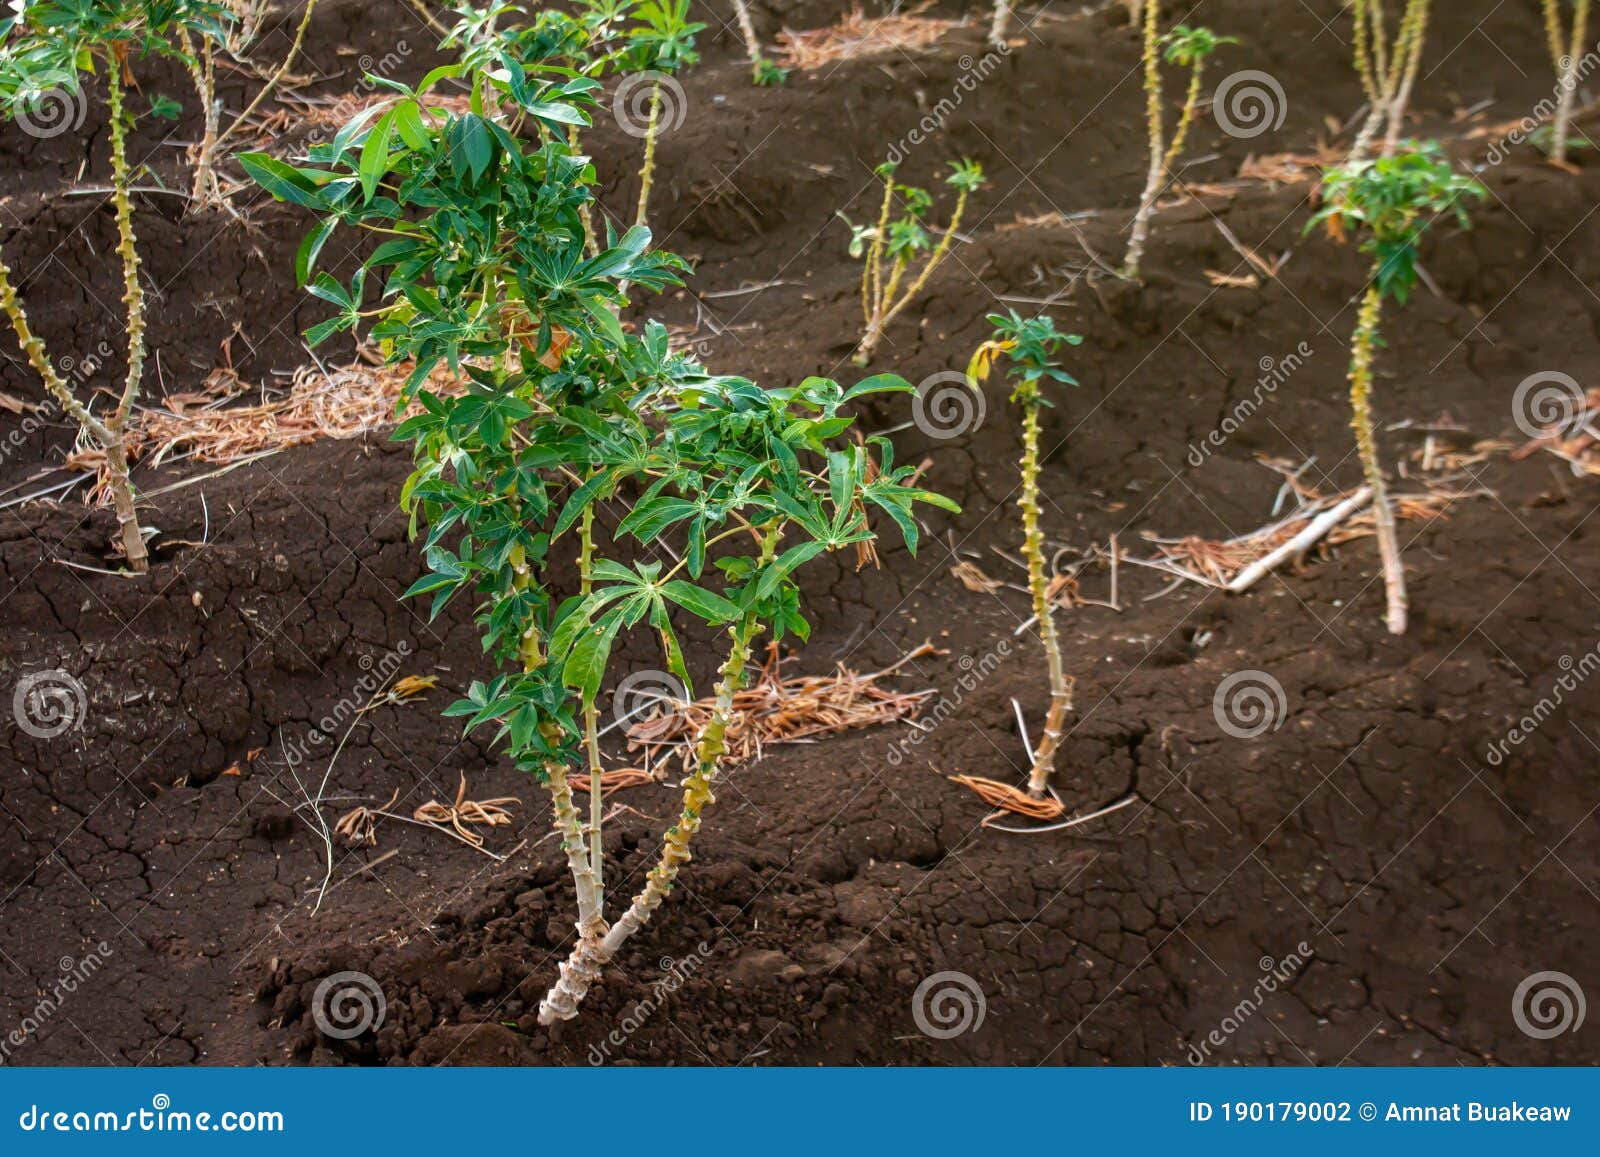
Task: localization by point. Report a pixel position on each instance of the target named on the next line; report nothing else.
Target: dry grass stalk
(1571, 438)
(491, 813)
(1291, 168)
(778, 710)
(1222, 562)
(857, 35)
(969, 575)
(343, 403)
(618, 779)
(1007, 798)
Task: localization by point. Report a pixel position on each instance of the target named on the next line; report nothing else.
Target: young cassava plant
(890, 247)
(1188, 48)
(1391, 201)
(662, 44)
(763, 70)
(1029, 347)
(1388, 67)
(558, 414)
(48, 47)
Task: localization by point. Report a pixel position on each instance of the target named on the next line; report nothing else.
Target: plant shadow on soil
(1424, 880)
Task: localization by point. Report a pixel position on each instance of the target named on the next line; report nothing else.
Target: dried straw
(857, 35)
(778, 710)
(1007, 798)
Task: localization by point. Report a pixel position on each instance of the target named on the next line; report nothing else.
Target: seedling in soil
(1188, 48)
(763, 71)
(889, 248)
(1392, 201)
(1030, 346)
(49, 46)
(561, 412)
(1388, 67)
(662, 44)
(1568, 59)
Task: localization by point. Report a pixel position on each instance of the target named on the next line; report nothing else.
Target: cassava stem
(1365, 342)
(1038, 586)
(1567, 66)
(1002, 21)
(133, 298)
(1153, 118)
(647, 171)
(882, 316)
(586, 960)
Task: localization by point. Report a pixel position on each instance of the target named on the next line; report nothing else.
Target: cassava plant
(201, 47)
(763, 70)
(1391, 201)
(1388, 66)
(51, 47)
(1000, 23)
(557, 414)
(1568, 47)
(1188, 48)
(890, 247)
(1029, 346)
(661, 45)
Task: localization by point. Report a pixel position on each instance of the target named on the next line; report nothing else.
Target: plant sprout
(1568, 59)
(889, 248)
(559, 412)
(1188, 48)
(662, 44)
(763, 71)
(1030, 346)
(1388, 68)
(1392, 200)
(49, 45)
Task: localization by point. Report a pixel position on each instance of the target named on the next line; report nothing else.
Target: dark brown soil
(1425, 880)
